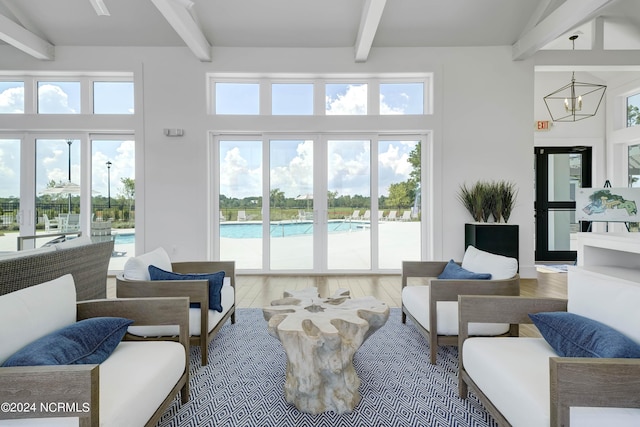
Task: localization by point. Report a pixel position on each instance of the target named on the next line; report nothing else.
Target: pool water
(125, 238)
(284, 229)
(254, 230)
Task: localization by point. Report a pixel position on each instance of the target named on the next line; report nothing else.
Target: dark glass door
(560, 171)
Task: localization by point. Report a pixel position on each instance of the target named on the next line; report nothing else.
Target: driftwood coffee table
(320, 337)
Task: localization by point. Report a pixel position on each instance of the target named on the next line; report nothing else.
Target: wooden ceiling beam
(25, 40)
(371, 15)
(567, 16)
(176, 12)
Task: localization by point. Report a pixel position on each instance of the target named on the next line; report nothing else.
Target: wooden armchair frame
(449, 290)
(572, 380)
(196, 290)
(80, 383)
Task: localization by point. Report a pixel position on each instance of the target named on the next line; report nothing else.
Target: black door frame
(543, 205)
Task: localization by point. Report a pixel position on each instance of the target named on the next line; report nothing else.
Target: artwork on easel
(608, 204)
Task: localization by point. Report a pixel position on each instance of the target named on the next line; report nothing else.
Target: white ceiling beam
(567, 16)
(371, 15)
(25, 40)
(537, 15)
(177, 13)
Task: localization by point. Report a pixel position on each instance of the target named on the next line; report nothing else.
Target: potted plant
(485, 200)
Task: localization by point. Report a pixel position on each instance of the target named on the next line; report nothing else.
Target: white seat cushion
(514, 374)
(136, 378)
(227, 294)
(416, 301)
(137, 268)
(500, 267)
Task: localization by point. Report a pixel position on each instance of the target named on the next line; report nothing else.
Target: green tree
(128, 191)
(401, 195)
(415, 158)
(277, 198)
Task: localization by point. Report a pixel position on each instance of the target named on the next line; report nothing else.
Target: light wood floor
(257, 291)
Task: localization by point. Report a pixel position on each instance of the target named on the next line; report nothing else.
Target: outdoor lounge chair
(242, 216)
(367, 215)
(391, 216)
(72, 223)
(355, 214)
(406, 216)
(50, 224)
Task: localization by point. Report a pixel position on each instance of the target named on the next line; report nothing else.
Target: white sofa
(132, 387)
(135, 281)
(523, 382)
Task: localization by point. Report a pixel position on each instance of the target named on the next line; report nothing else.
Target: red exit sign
(542, 125)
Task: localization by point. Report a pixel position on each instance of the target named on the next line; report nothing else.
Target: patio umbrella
(306, 197)
(64, 188)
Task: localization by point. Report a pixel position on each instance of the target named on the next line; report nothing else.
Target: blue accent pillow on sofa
(572, 335)
(88, 341)
(453, 271)
(216, 280)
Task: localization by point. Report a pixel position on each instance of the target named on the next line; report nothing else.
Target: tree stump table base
(320, 337)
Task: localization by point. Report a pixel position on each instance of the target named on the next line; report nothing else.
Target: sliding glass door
(311, 209)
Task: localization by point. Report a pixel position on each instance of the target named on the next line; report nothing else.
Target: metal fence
(9, 212)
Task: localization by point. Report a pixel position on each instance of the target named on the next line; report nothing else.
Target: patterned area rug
(243, 383)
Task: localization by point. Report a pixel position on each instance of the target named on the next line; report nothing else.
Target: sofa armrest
(592, 382)
(196, 290)
(143, 311)
(229, 268)
(449, 290)
(421, 269)
(36, 392)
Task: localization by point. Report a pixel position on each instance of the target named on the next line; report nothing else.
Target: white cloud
(12, 100)
(395, 161)
(237, 179)
(386, 109)
(352, 102)
(296, 177)
(53, 99)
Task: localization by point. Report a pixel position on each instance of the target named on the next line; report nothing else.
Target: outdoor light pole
(109, 182)
(69, 142)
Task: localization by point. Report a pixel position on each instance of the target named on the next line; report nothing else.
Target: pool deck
(347, 250)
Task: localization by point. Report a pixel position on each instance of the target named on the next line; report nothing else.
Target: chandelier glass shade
(575, 101)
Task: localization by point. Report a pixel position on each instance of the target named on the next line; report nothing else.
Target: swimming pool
(284, 229)
(254, 230)
(125, 238)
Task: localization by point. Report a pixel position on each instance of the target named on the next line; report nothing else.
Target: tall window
(113, 196)
(9, 193)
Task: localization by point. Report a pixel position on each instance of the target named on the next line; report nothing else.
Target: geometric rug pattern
(242, 386)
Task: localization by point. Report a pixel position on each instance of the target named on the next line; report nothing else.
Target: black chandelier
(575, 101)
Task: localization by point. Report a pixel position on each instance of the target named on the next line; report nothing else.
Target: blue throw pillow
(216, 281)
(88, 341)
(572, 335)
(453, 271)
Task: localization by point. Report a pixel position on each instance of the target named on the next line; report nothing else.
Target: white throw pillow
(500, 267)
(137, 268)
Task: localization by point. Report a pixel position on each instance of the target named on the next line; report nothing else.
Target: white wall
(482, 128)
